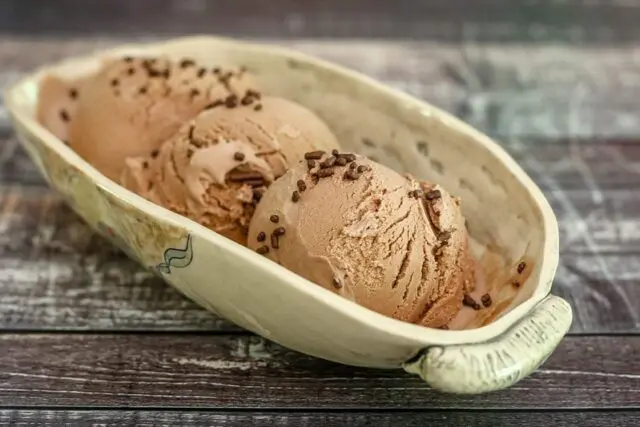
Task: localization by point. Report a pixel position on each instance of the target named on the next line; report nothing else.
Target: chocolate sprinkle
(335, 152)
(194, 92)
(274, 219)
(128, 59)
(142, 90)
(64, 115)
(311, 164)
(155, 153)
(274, 241)
(521, 267)
(516, 284)
(246, 100)
(145, 164)
(257, 194)
(433, 195)
(324, 173)
(470, 302)
(190, 135)
(341, 161)
(351, 175)
(253, 93)
(295, 196)
(301, 185)
(437, 250)
(73, 93)
(131, 71)
(368, 142)
(257, 107)
(279, 231)
(444, 236)
(337, 283)
(239, 176)
(486, 300)
(154, 73)
(201, 72)
(362, 168)
(238, 156)
(261, 236)
(352, 165)
(417, 193)
(313, 155)
(187, 63)
(327, 163)
(262, 249)
(115, 82)
(231, 101)
(216, 70)
(214, 104)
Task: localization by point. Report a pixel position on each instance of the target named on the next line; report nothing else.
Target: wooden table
(87, 336)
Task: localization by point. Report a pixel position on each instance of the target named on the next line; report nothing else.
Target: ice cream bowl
(513, 229)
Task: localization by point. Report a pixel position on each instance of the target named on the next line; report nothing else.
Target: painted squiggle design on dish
(177, 258)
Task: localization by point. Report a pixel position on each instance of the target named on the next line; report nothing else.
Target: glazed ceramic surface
(508, 218)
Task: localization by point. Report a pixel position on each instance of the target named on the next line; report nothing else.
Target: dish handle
(500, 362)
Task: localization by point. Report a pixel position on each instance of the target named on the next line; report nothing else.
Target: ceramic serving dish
(513, 229)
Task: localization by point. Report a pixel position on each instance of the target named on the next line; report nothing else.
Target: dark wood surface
(594, 21)
(164, 417)
(221, 371)
(87, 336)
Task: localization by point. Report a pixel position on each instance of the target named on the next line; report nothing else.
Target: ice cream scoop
(215, 168)
(363, 231)
(132, 105)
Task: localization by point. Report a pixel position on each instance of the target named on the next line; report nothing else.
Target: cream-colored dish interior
(508, 218)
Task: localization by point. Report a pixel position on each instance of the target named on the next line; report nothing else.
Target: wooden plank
(328, 419)
(521, 20)
(56, 274)
(602, 290)
(219, 371)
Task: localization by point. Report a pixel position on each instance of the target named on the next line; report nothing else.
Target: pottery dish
(512, 227)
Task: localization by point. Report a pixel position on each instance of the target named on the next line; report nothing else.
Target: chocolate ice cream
(365, 232)
(216, 167)
(132, 105)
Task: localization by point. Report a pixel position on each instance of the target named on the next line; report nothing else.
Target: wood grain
(521, 20)
(323, 419)
(219, 371)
